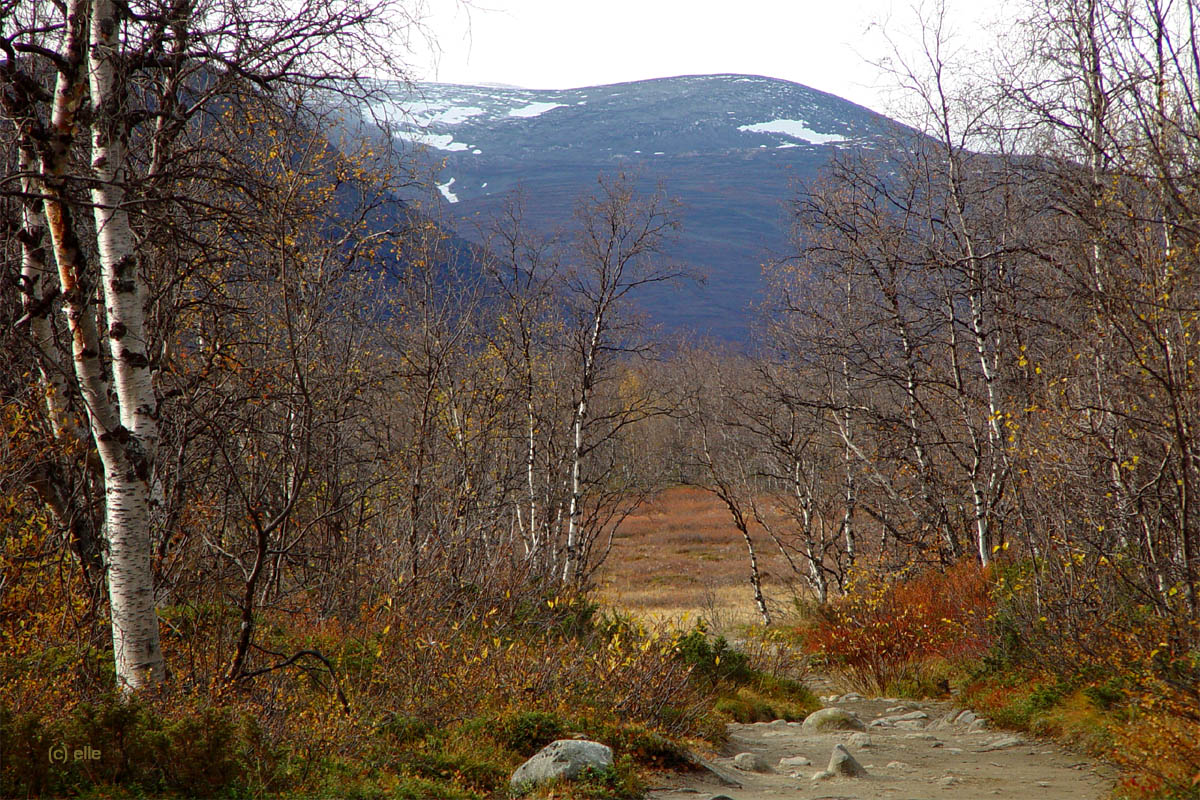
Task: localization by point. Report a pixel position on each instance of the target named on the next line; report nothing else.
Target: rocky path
(881, 748)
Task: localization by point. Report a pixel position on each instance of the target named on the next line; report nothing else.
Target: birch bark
(127, 449)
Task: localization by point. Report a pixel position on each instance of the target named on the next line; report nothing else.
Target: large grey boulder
(833, 719)
(565, 758)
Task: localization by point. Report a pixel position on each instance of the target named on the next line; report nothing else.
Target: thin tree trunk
(572, 567)
(128, 449)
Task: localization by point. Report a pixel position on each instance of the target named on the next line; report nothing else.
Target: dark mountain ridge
(731, 148)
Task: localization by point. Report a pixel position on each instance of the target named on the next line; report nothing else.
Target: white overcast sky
(555, 44)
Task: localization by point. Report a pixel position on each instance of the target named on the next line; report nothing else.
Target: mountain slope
(729, 147)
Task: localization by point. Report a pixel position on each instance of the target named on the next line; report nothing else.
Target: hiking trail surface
(908, 750)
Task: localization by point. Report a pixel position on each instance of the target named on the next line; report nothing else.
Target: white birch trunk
(36, 278)
(127, 451)
(813, 554)
(571, 566)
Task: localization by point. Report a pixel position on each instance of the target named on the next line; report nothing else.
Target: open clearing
(679, 556)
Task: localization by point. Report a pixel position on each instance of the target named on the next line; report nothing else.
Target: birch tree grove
(108, 106)
(570, 338)
(1005, 304)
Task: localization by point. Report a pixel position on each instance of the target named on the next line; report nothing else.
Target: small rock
(977, 725)
(778, 723)
(850, 697)
(966, 718)
(720, 797)
(946, 720)
(1044, 784)
(565, 758)
(912, 715)
(911, 724)
(882, 722)
(723, 778)
(842, 763)
(923, 737)
(948, 781)
(1003, 742)
(793, 762)
(900, 765)
(823, 775)
(750, 762)
(859, 740)
(954, 751)
(900, 709)
(833, 719)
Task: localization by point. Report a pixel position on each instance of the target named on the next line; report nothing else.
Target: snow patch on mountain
(440, 141)
(425, 113)
(534, 109)
(794, 128)
(444, 188)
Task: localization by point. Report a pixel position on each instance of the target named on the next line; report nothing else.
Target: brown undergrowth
(431, 691)
(1120, 687)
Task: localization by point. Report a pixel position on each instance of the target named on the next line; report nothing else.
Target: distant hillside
(730, 147)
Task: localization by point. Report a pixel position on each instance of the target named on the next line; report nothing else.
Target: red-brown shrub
(880, 629)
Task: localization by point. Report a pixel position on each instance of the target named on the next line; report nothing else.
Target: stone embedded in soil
(713, 771)
(912, 715)
(966, 718)
(750, 762)
(793, 762)
(900, 709)
(945, 721)
(911, 724)
(1002, 743)
(914, 721)
(833, 719)
(859, 740)
(842, 763)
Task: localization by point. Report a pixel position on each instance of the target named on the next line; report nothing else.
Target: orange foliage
(880, 629)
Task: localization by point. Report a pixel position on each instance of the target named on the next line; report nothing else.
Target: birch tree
(616, 255)
(108, 104)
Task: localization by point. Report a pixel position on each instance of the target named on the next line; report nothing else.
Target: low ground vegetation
(960, 633)
(406, 698)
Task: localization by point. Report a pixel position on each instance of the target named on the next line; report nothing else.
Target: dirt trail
(935, 756)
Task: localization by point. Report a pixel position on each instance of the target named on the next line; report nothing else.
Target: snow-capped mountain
(729, 147)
